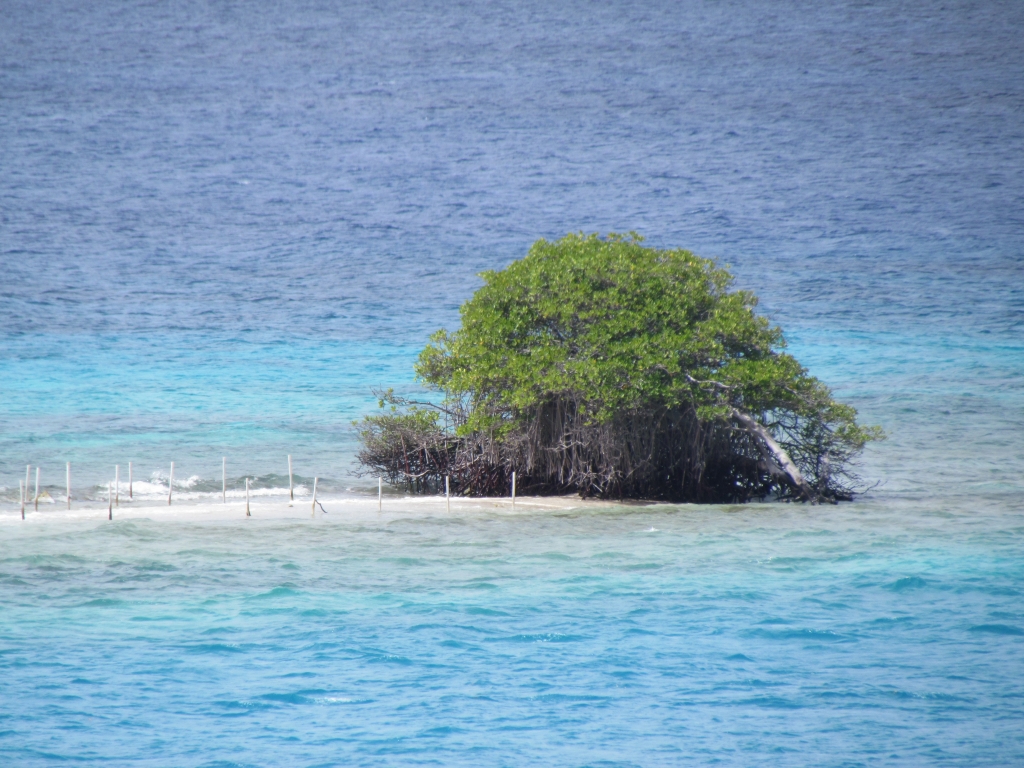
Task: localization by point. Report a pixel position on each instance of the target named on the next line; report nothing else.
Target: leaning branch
(775, 456)
(389, 397)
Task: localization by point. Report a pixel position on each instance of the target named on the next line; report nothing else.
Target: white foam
(271, 506)
(184, 490)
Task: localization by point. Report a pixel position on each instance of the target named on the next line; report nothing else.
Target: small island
(598, 366)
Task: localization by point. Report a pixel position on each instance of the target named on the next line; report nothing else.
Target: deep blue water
(221, 224)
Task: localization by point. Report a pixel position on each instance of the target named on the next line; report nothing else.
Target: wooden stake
(447, 498)
(223, 479)
(21, 495)
(69, 485)
(314, 496)
(291, 488)
(129, 481)
(170, 485)
(513, 490)
(37, 489)
(247, 513)
(380, 493)
(110, 503)
(117, 484)
(28, 472)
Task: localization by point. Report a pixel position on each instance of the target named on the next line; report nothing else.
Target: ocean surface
(223, 224)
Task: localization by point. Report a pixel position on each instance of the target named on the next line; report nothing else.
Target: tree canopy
(602, 366)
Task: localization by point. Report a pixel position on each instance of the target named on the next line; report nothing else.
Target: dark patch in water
(282, 591)
(909, 582)
(214, 648)
(402, 560)
(222, 631)
(477, 611)
(544, 637)
(442, 730)
(997, 629)
(800, 634)
(102, 602)
(773, 702)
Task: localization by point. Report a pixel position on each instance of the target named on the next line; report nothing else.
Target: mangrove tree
(610, 369)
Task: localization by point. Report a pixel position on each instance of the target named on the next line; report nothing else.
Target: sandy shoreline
(340, 508)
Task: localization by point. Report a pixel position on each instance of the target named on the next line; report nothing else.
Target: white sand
(339, 508)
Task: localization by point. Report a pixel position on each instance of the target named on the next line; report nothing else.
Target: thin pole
(28, 472)
(129, 481)
(314, 496)
(117, 484)
(291, 488)
(170, 485)
(110, 503)
(380, 493)
(447, 498)
(21, 495)
(37, 489)
(247, 513)
(223, 479)
(69, 485)
(513, 490)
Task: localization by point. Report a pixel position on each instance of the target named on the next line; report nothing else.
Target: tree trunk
(774, 455)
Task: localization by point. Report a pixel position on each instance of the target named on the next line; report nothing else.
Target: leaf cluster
(619, 327)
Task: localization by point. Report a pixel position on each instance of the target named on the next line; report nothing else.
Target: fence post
(447, 497)
(37, 489)
(314, 496)
(170, 485)
(380, 493)
(21, 496)
(110, 503)
(291, 487)
(513, 490)
(247, 513)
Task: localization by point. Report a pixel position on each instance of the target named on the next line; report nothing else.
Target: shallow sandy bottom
(340, 509)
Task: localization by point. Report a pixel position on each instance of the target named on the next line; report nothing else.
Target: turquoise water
(762, 635)
(221, 225)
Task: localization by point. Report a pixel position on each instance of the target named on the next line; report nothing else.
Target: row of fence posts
(114, 489)
(23, 487)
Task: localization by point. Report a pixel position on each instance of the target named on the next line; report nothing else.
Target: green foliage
(393, 426)
(404, 442)
(606, 367)
(618, 327)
